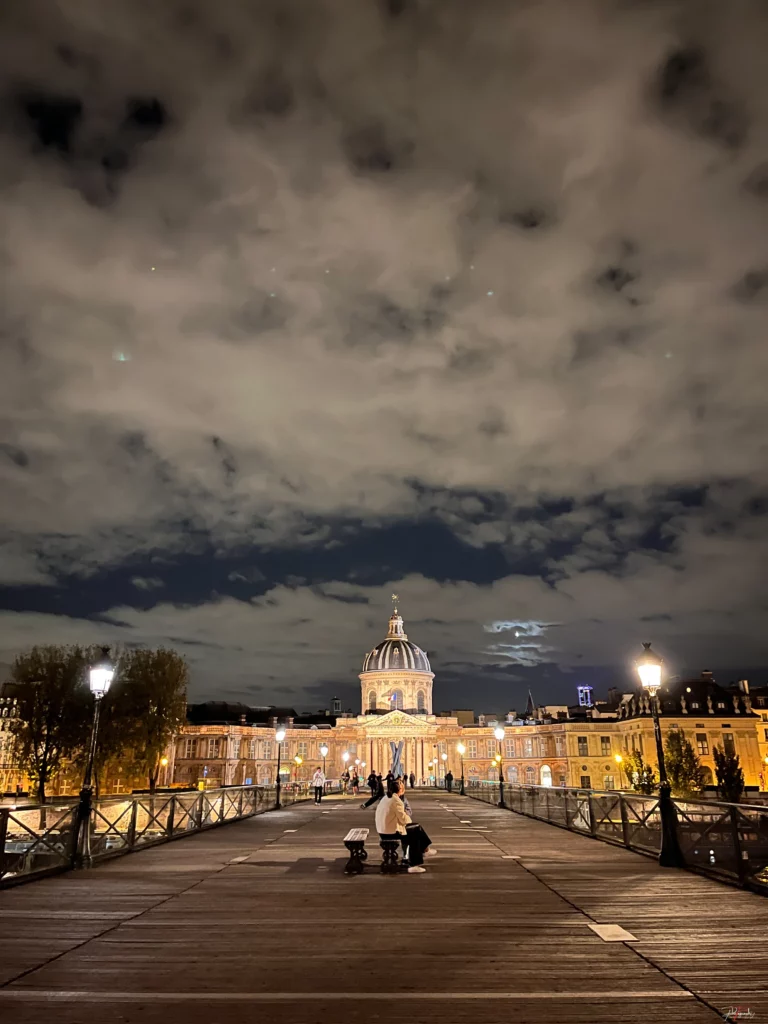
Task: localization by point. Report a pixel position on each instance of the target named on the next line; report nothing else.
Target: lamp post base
(83, 858)
(670, 854)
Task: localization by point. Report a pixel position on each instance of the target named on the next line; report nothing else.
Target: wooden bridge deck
(255, 921)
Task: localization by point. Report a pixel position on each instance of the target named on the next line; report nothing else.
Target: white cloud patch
(147, 582)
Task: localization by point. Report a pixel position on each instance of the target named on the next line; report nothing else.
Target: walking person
(377, 792)
(355, 782)
(344, 780)
(318, 781)
(412, 780)
(372, 782)
(449, 780)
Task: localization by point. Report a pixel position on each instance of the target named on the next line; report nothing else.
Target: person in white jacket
(392, 821)
(318, 781)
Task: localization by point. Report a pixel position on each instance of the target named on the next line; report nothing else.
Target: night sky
(307, 302)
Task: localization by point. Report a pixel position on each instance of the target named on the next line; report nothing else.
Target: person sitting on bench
(394, 822)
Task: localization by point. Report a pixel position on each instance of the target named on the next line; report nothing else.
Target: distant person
(377, 792)
(389, 779)
(318, 781)
(372, 782)
(412, 780)
(449, 780)
(344, 780)
(355, 783)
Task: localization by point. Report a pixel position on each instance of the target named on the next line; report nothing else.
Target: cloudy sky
(306, 303)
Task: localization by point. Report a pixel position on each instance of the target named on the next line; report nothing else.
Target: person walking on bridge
(412, 780)
(449, 780)
(318, 781)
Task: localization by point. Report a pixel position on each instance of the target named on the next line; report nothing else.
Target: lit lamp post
(619, 761)
(279, 737)
(345, 758)
(499, 734)
(298, 761)
(323, 754)
(461, 750)
(164, 766)
(649, 670)
(100, 676)
(444, 758)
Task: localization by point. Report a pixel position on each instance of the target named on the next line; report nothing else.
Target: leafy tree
(642, 776)
(730, 777)
(684, 770)
(152, 702)
(54, 718)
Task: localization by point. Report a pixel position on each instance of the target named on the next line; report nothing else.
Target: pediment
(399, 722)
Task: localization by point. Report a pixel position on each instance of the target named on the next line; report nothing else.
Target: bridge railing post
(592, 815)
(624, 821)
(741, 867)
(171, 817)
(131, 836)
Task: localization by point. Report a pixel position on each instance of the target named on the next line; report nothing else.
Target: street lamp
(499, 734)
(100, 676)
(298, 761)
(345, 758)
(323, 754)
(619, 761)
(164, 766)
(461, 750)
(649, 670)
(279, 737)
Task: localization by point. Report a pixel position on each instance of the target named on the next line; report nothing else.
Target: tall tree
(730, 777)
(155, 696)
(642, 776)
(54, 718)
(684, 770)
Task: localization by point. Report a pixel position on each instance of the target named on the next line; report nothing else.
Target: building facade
(232, 744)
(584, 746)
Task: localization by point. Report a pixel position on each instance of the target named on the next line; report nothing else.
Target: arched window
(530, 776)
(512, 774)
(371, 700)
(545, 774)
(421, 701)
(396, 700)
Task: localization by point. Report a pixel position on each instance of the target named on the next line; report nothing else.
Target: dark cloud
(391, 295)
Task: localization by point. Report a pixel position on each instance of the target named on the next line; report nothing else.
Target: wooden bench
(354, 841)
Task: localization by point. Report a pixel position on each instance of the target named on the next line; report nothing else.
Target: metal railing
(38, 840)
(725, 841)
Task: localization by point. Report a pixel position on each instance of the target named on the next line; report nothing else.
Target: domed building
(396, 675)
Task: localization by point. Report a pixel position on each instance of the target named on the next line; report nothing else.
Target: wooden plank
(502, 924)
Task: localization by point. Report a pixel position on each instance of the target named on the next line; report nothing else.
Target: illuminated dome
(396, 653)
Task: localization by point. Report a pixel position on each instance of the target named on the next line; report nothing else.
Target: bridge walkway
(255, 921)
